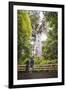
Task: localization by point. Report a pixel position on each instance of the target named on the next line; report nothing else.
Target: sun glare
(43, 37)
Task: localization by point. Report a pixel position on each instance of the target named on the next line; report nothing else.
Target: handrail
(40, 67)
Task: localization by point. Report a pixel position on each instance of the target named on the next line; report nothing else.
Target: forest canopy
(29, 25)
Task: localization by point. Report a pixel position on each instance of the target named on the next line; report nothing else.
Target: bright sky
(43, 36)
(41, 17)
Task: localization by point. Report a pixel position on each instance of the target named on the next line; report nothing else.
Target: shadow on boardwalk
(36, 75)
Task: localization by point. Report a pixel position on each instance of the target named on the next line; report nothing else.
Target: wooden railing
(45, 67)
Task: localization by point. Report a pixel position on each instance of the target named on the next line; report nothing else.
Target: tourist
(27, 65)
(31, 64)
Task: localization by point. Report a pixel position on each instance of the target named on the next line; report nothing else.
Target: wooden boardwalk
(37, 75)
(39, 71)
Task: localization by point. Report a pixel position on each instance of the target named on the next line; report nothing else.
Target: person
(31, 64)
(27, 65)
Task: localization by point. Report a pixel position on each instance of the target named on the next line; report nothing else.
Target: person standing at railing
(27, 66)
(31, 64)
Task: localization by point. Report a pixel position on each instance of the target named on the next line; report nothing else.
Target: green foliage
(37, 60)
(24, 23)
(48, 62)
(51, 18)
(24, 35)
(43, 60)
(50, 48)
(34, 17)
